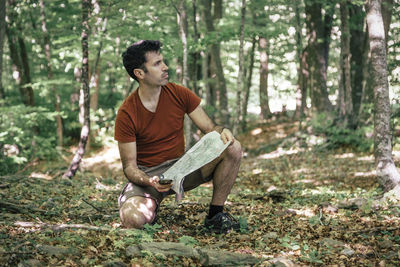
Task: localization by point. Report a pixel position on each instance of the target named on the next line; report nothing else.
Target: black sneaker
(222, 222)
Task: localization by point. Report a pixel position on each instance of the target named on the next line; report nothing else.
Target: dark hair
(135, 56)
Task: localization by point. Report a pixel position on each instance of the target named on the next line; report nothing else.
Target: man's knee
(137, 211)
(235, 150)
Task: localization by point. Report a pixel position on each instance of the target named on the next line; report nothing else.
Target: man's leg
(225, 169)
(137, 211)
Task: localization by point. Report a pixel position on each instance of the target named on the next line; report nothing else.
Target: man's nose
(165, 67)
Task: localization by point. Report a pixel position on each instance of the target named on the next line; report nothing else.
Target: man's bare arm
(128, 153)
(206, 125)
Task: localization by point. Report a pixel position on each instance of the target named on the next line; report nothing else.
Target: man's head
(135, 56)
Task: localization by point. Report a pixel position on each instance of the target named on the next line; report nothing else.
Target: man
(149, 131)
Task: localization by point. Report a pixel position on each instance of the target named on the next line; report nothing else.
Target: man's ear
(138, 73)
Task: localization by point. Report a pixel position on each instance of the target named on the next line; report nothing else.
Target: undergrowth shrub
(25, 133)
(336, 136)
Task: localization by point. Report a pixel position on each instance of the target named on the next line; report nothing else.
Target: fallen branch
(59, 227)
(90, 204)
(207, 257)
(19, 208)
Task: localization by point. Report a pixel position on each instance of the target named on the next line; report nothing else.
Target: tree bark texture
(183, 33)
(299, 113)
(216, 68)
(345, 96)
(47, 50)
(358, 58)
(249, 76)
(195, 55)
(2, 37)
(387, 174)
(264, 99)
(241, 77)
(86, 92)
(316, 33)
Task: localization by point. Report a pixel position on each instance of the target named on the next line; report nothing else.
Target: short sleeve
(124, 128)
(191, 100)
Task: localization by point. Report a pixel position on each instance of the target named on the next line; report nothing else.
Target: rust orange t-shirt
(158, 135)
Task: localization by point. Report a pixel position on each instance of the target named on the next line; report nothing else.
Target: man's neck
(148, 93)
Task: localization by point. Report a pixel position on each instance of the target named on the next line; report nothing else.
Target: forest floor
(303, 206)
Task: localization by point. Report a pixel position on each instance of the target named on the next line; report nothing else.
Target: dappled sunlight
(109, 155)
(303, 212)
(278, 153)
(40, 176)
(256, 131)
(365, 174)
(344, 156)
(366, 158)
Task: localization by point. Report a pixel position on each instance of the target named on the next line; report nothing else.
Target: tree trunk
(86, 91)
(195, 55)
(358, 57)
(2, 37)
(47, 50)
(248, 83)
(345, 97)
(299, 113)
(317, 50)
(183, 33)
(19, 56)
(240, 80)
(387, 174)
(216, 65)
(264, 101)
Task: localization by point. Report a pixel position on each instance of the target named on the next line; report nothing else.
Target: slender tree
(182, 19)
(388, 176)
(301, 90)
(240, 80)
(345, 93)
(317, 49)
(2, 36)
(249, 76)
(86, 92)
(359, 53)
(216, 68)
(19, 55)
(264, 71)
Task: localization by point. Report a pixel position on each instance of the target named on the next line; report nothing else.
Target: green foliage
(25, 133)
(188, 240)
(338, 136)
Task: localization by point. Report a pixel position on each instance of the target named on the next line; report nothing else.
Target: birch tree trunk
(388, 175)
(86, 92)
(240, 80)
(2, 37)
(47, 50)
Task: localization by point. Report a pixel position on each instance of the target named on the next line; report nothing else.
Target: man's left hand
(227, 136)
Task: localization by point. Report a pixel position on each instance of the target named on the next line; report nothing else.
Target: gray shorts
(191, 181)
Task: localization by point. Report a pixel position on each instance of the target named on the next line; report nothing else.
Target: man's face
(157, 70)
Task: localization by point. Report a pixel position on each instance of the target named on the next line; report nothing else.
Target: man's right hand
(154, 181)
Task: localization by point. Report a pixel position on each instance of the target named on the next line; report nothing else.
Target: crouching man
(150, 135)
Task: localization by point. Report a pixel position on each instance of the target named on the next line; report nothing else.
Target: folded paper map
(203, 152)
